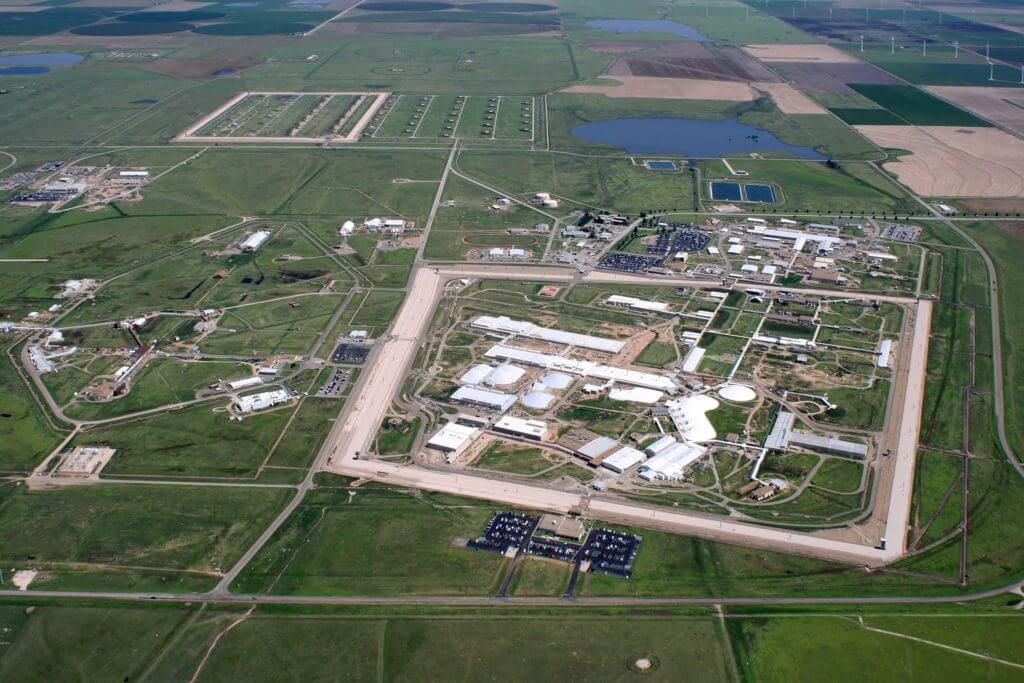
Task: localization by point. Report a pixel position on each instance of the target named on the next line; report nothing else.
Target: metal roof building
(622, 459)
(583, 367)
(523, 328)
(453, 438)
(494, 400)
(266, 399)
(531, 429)
(671, 463)
(638, 304)
(689, 415)
(596, 448)
(255, 240)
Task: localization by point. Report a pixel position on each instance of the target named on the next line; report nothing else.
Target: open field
(670, 88)
(945, 161)
(799, 53)
(1002, 106)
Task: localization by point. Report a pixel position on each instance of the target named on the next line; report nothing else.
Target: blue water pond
(696, 138)
(41, 59)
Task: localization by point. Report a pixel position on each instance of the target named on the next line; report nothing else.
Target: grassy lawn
(376, 542)
(195, 442)
(175, 527)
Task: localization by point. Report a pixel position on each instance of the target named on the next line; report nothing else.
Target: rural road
(471, 601)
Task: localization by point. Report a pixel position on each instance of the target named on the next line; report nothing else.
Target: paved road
(468, 601)
(354, 432)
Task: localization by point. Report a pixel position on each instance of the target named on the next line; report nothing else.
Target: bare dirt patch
(1004, 106)
(799, 53)
(947, 161)
(670, 89)
(789, 100)
(616, 47)
(832, 78)
(1007, 205)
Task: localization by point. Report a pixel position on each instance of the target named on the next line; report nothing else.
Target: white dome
(556, 380)
(738, 393)
(538, 400)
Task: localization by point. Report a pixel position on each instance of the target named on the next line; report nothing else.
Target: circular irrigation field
(499, 239)
(129, 28)
(406, 6)
(252, 28)
(507, 7)
(162, 17)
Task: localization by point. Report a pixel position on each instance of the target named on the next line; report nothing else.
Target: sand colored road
(355, 429)
(799, 53)
(671, 89)
(948, 161)
(1004, 106)
(909, 429)
(789, 100)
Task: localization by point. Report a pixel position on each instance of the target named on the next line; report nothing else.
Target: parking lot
(678, 240)
(505, 530)
(629, 263)
(335, 383)
(350, 353)
(611, 552)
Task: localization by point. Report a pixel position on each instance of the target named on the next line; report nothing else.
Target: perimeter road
(356, 427)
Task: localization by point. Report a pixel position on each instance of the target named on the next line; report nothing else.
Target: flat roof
(525, 328)
(453, 437)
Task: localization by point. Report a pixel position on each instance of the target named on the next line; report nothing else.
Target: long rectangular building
(584, 368)
(495, 400)
(522, 328)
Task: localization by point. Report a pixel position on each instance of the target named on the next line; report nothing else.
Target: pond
(648, 26)
(24, 71)
(687, 137)
(36, 63)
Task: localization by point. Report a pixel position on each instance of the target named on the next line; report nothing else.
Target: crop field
(916, 107)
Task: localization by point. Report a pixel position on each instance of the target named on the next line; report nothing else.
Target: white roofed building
(453, 439)
(530, 429)
(671, 463)
(255, 240)
(485, 398)
(523, 328)
(623, 459)
(261, 401)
